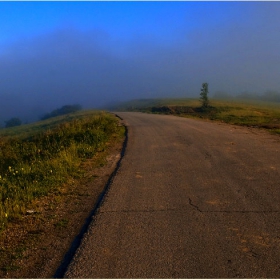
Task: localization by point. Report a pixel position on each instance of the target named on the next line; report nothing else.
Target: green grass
(37, 159)
(24, 131)
(247, 113)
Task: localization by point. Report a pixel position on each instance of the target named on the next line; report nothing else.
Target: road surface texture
(191, 199)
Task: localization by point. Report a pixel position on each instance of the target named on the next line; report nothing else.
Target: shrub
(13, 122)
(67, 109)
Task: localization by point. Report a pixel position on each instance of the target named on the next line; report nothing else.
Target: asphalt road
(191, 199)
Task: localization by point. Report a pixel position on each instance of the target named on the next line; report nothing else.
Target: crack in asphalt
(139, 226)
(231, 211)
(195, 206)
(141, 211)
(183, 210)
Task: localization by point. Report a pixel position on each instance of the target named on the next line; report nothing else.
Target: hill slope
(52, 173)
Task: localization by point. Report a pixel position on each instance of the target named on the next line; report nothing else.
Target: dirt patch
(34, 246)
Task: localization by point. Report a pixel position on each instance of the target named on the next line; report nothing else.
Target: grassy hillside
(38, 158)
(249, 113)
(146, 104)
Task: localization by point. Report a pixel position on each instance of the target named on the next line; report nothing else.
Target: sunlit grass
(27, 130)
(248, 113)
(260, 114)
(36, 159)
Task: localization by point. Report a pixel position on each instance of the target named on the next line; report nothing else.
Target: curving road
(191, 199)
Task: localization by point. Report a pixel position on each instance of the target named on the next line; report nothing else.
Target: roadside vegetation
(239, 112)
(37, 159)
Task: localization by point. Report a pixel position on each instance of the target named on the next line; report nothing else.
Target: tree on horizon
(204, 95)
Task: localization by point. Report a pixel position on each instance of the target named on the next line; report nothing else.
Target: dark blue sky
(92, 53)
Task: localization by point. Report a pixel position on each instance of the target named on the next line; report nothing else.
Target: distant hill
(66, 109)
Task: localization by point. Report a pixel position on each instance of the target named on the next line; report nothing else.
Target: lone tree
(204, 95)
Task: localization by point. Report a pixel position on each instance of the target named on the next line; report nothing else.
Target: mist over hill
(156, 50)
